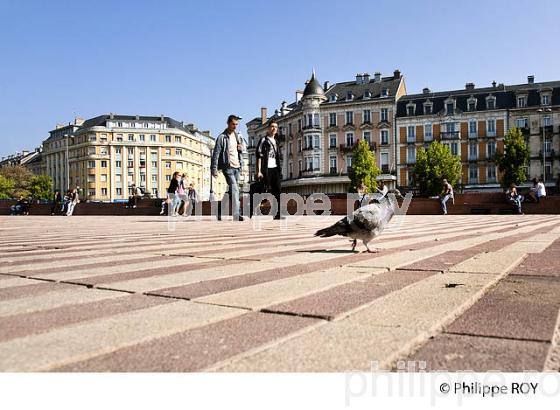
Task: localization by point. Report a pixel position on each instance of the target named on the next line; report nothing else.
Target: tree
(513, 161)
(21, 177)
(433, 165)
(41, 186)
(6, 187)
(364, 169)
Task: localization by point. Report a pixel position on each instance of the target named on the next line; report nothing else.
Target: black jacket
(173, 185)
(262, 152)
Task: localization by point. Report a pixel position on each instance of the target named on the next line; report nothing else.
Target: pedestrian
(175, 200)
(182, 193)
(193, 198)
(446, 194)
(72, 202)
(56, 202)
(268, 163)
(513, 197)
(227, 157)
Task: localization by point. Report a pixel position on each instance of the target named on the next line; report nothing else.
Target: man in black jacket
(268, 163)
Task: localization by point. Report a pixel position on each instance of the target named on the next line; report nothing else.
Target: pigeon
(366, 222)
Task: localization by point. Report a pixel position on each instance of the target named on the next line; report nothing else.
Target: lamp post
(67, 163)
(542, 111)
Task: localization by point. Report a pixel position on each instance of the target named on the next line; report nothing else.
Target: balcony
(472, 157)
(311, 127)
(450, 135)
(333, 171)
(473, 135)
(385, 169)
(309, 148)
(346, 147)
(411, 140)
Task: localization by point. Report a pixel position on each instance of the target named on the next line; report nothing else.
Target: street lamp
(542, 111)
(67, 163)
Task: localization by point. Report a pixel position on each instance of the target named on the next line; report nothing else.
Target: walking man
(192, 198)
(446, 194)
(268, 163)
(227, 157)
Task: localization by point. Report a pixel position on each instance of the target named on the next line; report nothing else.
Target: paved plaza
(138, 294)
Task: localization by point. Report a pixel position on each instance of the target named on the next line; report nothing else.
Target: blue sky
(198, 61)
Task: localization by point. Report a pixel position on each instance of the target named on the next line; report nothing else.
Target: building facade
(472, 122)
(318, 131)
(105, 155)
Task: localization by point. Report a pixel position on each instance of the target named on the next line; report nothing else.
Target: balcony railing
(308, 148)
(411, 139)
(346, 147)
(311, 127)
(450, 135)
(472, 157)
(333, 171)
(473, 135)
(385, 169)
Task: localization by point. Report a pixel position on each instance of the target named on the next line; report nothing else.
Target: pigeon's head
(396, 193)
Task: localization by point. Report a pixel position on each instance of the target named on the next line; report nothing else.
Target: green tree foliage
(364, 168)
(20, 176)
(6, 187)
(513, 161)
(41, 186)
(433, 165)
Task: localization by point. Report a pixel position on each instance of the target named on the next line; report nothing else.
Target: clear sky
(199, 61)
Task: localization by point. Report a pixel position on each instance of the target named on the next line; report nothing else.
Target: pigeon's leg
(354, 243)
(370, 250)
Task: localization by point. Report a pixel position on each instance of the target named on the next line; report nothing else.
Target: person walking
(192, 198)
(182, 193)
(73, 201)
(446, 194)
(56, 202)
(268, 163)
(174, 198)
(227, 157)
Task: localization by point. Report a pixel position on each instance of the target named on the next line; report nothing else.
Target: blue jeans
(232, 179)
(444, 199)
(175, 203)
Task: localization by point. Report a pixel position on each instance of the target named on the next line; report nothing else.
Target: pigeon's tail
(342, 227)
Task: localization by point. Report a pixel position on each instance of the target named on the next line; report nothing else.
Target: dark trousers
(273, 180)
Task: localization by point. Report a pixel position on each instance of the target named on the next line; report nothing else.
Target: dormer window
(521, 102)
(349, 96)
(471, 104)
(333, 97)
(545, 99)
(367, 94)
(490, 102)
(384, 92)
(410, 109)
(449, 106)
(428, 108)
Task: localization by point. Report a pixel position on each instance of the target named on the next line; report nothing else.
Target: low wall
(465, 204)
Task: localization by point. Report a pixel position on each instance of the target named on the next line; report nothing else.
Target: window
(178, 151)
(91, 164)
(384, 137)
(103, 178)
(349, 117)
(299, 145)
(384, 114)
(547, 145)
(168, 165)
(316, 141)
(119, 137)
(349, 161)
(119, 191)
(384, 92)
(491, 103)
(142, 137)
(473, 151)
(168, 138)
(92, 137)
(367, 136)
(91, 150)
(154, 179)
(490, 149)
(521, 102)
(384, 161)
(299, 124)
(491, 173)
(411, 154)
(428, 136)
(332, 140)
(428, 108)
(332, 164)
(177, 138)
(130, 152)
(410, 110)
(91, 192)
(454, 148)
(131, 137)
(350, 139)
(472, 129)
(491, 127)
(521, 122)
(179, 165)
(471, 105)
(153, 138)
(154, 164)
(168, 177)
(411, 133)
(332, 119)
(130, 164)
(545, 99)
(91, 178)
(168, 152)
(316, 123)
(473, 174)
(367, 116)
(103, 191)
(449, 108)
(103, 138)
(118, 178)
(546, 121)
(118, 164)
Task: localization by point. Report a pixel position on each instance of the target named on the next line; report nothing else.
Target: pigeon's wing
(369, 217)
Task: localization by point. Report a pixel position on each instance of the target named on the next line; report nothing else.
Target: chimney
(326, 85)
(206, 133)
(397, 74)
(58, 126)
(283, 108)
(366, 78)
(24, 153)
(377, 77)
(78, 121)
(494, 84)
(190, 126)
(263, 115)
(162, 117)
(111, 116)
(531, 79)
(426, 91)
(299, 94)
(469, 86)
(359, 78)
(137, 117)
